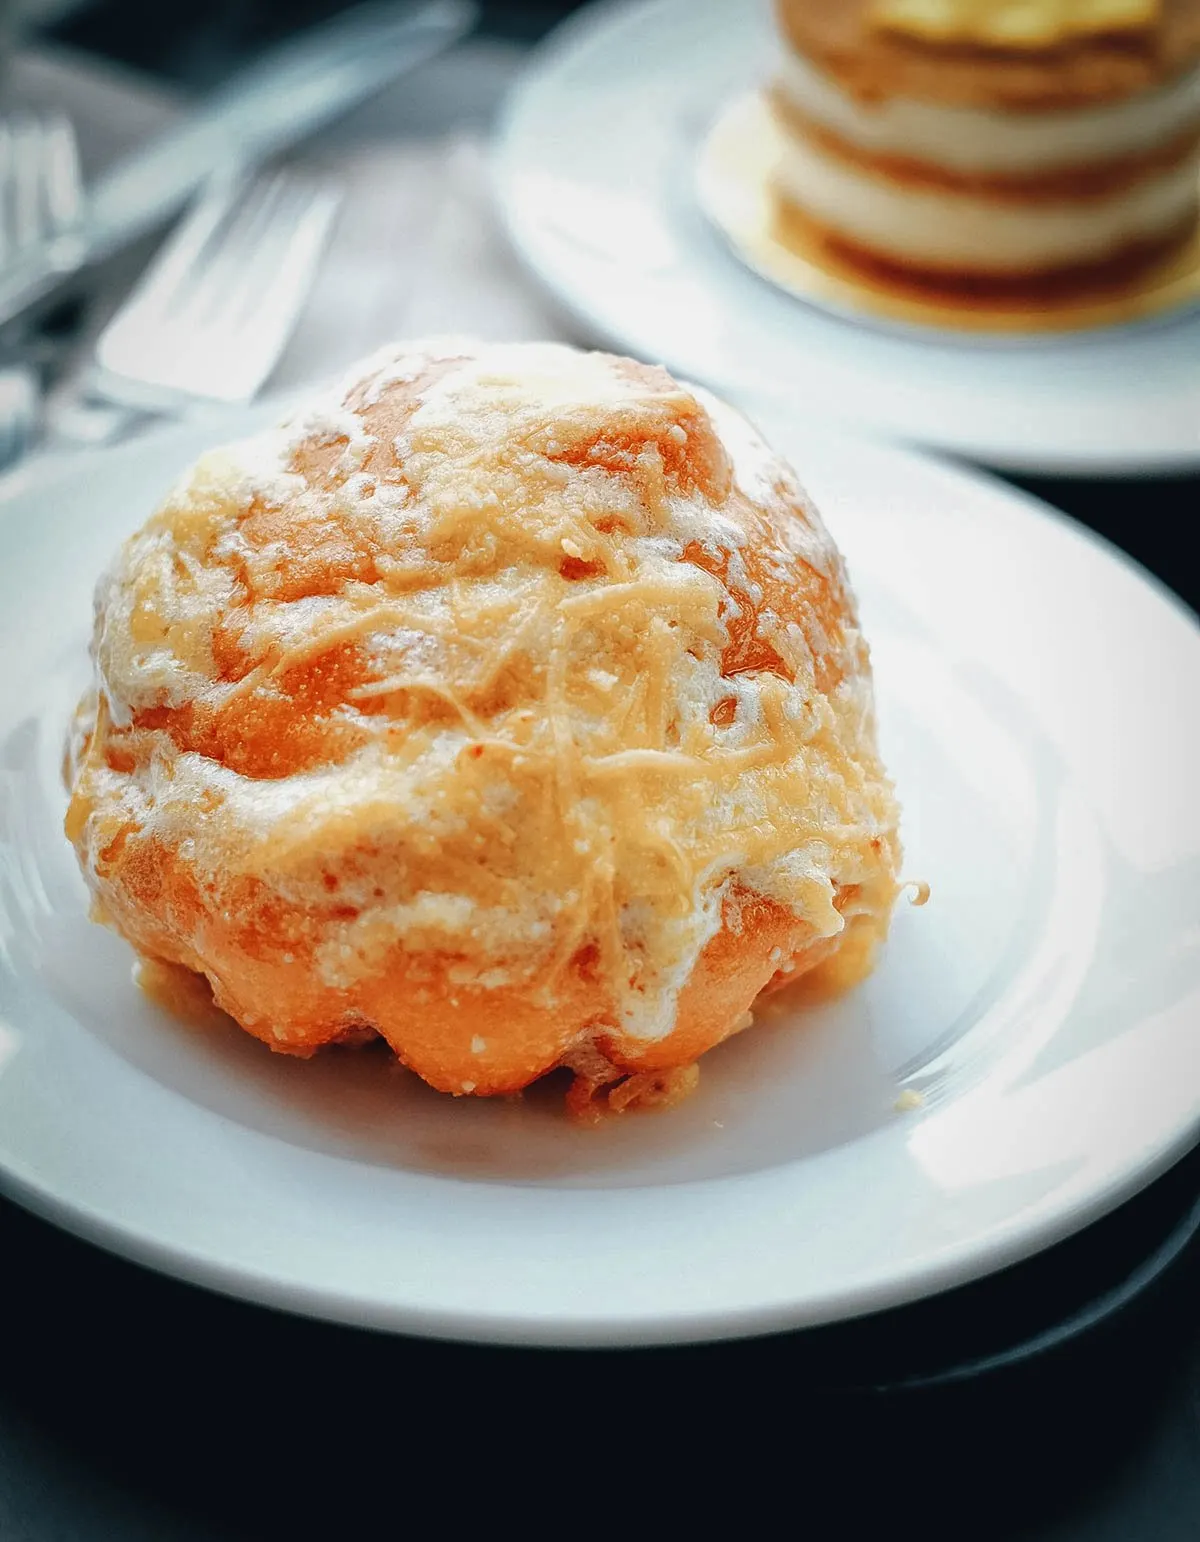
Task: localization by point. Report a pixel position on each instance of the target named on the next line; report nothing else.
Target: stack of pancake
(990, 147)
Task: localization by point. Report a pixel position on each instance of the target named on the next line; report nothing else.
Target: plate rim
(239, 1283)
(579, 28)
(1007, 1246)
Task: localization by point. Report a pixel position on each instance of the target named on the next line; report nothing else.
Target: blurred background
(417, 245)
(194, 44)
(416, 248)
(406, 242)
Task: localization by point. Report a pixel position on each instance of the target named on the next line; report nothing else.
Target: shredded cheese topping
(515, 656)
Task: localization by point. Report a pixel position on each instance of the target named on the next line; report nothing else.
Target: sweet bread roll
(510, 705)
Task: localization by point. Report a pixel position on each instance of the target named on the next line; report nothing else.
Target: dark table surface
(132, 1406)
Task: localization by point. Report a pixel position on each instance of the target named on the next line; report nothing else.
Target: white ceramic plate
(596, 169)
(1039, 713)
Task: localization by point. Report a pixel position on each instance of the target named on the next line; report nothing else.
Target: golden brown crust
(498, 707)
(1131, 265)
(1061, 184)
(836, 36)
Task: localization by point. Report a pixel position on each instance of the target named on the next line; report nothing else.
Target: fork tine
(40, 192)
(241, 271)
(63, 179)
(28, 181)
(6, 187)
(271, 263)
(213, 315)
(292, 210)
(294, 272)
(185, 249)
(222, 269)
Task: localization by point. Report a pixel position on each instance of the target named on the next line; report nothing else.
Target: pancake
(1058, 163)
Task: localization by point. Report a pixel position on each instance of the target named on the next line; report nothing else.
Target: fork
(40, 191)
(211, 316)
(40, 201)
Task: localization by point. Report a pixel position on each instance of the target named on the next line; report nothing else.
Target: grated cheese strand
(450, 660)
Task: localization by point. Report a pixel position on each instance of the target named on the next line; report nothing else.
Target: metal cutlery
(276, 102)
(40, 203)
(212, 314)
(40, 193)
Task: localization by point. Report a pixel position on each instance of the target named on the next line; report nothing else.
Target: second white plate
(596, 170)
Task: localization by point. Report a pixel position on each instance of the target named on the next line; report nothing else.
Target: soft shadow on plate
(949, 998)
